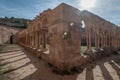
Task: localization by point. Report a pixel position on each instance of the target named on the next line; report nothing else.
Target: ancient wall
(6, 33)
(64, 36)
(55, 35)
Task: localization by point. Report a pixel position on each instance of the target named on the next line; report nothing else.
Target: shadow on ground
(23, 65)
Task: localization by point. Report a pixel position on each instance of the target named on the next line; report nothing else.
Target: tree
(6, 17)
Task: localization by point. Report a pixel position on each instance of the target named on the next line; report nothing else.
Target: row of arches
(99, 33)
(95, 35)
(36, 35)
(65, 36)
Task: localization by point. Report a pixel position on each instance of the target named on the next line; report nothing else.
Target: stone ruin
(8, 35)
(55, 36)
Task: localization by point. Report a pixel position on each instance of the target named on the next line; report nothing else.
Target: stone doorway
(11, 39)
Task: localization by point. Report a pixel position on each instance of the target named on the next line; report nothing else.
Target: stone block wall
(6, 33)
(60, 29)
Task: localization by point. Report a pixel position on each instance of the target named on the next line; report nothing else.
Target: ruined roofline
(64, 4)
(67, 5)
(99, 17)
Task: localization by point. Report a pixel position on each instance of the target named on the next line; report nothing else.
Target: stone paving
(23, 65)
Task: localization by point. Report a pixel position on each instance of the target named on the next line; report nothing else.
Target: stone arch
(44, 28)
(44, 22)
(11, 38)
(83, 37)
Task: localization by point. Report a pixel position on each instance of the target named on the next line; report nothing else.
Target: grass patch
(5, 78)
(84, 48)
(9, 47)
(1, 48)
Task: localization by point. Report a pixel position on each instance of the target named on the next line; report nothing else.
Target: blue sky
(108, 9)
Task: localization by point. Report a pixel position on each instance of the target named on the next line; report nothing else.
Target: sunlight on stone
(12, 54)
(83, 24)
(97, 73)
(82, 75)
(8, 53)
(65, 33)
(23, 72)
(115, 64)
(112, 71)
(13, 59)
(39, 50)
(46, 52)
(16, 64)
(71, 24)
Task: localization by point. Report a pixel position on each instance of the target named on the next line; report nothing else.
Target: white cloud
(108, 9)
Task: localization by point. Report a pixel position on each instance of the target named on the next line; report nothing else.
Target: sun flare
(87, 4)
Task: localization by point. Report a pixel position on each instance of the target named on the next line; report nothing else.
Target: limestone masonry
(55, 36)
(8, 35)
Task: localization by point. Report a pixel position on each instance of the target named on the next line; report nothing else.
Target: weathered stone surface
(64, 37)
(60, 30)
(7, 33)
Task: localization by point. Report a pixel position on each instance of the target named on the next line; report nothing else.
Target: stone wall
(62, 28)
(6, 33)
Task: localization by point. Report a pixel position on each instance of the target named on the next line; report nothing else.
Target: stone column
(104, 39)
(44, 39)
(32, 39)
(26, 38)
(109, 38)
(37, 39)
(117, 38)
(113, 37)
(29, 40)
(95, 33)
(101, 38)
(40, 38)
(88, 38)
(36, 36)
(97, 42)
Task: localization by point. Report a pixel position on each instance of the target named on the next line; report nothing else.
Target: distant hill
(19, 23)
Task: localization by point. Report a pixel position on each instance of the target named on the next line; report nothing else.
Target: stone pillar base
(67, 65)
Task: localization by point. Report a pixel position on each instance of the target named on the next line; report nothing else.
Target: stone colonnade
(60, 29)
(103, 33)
(35, 36)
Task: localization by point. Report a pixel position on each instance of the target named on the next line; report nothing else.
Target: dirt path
(22, 65)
